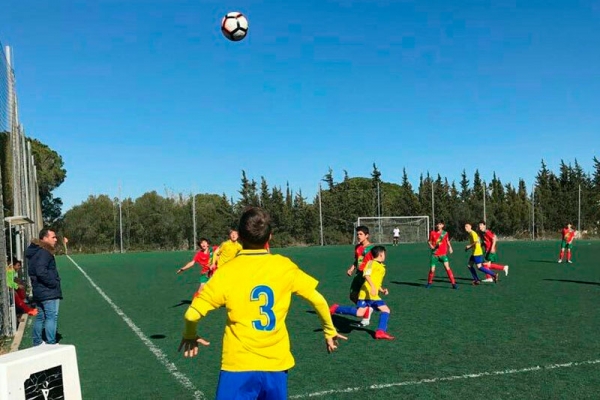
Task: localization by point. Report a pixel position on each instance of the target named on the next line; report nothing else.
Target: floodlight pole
(120, 220)
(579, 211)
(484, 196)
(194, 218)
(533, 212)
(432, 204)
(379, 207)
(321, 215)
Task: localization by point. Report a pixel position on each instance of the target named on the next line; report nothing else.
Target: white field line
(445, 379)
(161, 357)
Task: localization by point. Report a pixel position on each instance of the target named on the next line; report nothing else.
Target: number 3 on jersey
(266, 309)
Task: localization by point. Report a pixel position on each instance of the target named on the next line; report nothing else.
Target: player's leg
(449, 272)
(239, 385)
(562, 251)
(203, 280)
(492, 263)
(384, 316)
(482, 268)
(274, 386)
(568, 247)
(355, 311)
(472, 270)
(432, 263)
(488, 278)
(355, 286)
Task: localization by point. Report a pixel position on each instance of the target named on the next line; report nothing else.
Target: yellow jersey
(376, 270)
(474, 239)
(227, 251)
(256, 289)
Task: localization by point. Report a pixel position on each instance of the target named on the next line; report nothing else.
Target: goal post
(381, 229)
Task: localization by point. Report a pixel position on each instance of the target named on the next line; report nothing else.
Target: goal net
(381, 229)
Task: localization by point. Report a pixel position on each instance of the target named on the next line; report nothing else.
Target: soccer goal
(381, 229)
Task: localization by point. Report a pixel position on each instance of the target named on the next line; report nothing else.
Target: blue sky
(151, 96)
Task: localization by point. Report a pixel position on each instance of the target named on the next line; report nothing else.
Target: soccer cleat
(496, 278)
(570, 262)
(455, 286)
(488, 280)
(560, 261)
(364, 322)
(380, 334)
(506, 270)
(475, 283)
(333, 308)
(428, 286)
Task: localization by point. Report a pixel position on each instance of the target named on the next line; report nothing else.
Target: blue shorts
(252, 385)
(370, 303)
(476, 259)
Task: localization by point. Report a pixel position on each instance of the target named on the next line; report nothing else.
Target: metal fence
(21, 206)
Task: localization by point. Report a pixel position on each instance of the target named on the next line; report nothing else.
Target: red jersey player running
(362, 255)
(205, 259)
(568, 235)
(439, 243)
(490, 240)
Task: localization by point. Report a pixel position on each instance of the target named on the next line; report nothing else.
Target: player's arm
(494, 241)
(211, 298)
(450, 250)
(186, 266)
(431, 242)
(351, 269)
(320, 305)
(374, 289)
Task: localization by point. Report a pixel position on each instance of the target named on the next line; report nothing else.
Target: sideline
(16, 343)
(446, 379)
(158, 353)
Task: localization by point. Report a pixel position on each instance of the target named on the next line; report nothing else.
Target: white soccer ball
(234, 26)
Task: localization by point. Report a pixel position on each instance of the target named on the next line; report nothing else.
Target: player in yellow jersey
(228, 249)
(256, 289)
(368, 296)
(477, 256)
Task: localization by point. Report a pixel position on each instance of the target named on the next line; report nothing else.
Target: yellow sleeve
(368, 269)
(303, 284)
(211, 298)
(319, 303)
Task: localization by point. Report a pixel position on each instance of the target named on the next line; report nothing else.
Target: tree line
(153, 221)
(156, 222)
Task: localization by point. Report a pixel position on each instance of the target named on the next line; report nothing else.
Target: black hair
(377, 250)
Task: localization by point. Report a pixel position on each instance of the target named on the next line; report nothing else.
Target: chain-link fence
(21, 206)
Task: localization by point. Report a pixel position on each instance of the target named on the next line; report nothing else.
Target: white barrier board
(47, 372)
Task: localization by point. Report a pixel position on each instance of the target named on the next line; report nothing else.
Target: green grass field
(477, 342)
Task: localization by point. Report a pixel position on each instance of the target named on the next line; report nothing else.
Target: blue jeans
(46, 319)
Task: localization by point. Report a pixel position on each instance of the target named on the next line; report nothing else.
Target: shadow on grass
(447, 281)
(345, 325)
(572, 281)
(158, 336)
(408, 283)
(182, 303)
(543, 261)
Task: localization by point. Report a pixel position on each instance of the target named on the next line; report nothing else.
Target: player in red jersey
(362, 255)
(205, 259)
(490, 241)
(568, 235)
(439, 243)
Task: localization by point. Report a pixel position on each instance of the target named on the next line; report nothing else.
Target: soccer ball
(234, 26)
